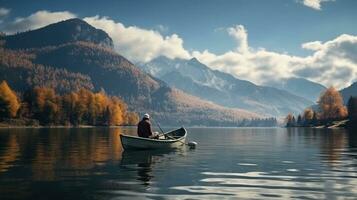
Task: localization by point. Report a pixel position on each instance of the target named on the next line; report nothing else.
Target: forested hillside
(43, 106)
(82, 61)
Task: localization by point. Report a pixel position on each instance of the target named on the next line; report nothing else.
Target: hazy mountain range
(224, 89)
(349, 91)
(299, 87)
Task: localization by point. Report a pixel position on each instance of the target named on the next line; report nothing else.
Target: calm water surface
(229, 163)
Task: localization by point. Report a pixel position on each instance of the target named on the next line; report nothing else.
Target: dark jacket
(144, 128)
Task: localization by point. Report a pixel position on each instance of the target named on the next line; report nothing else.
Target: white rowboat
(174, 139)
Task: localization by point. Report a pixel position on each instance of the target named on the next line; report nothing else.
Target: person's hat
(147, 116)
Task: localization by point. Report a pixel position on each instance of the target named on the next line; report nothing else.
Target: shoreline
(60, 126)
(342, 124)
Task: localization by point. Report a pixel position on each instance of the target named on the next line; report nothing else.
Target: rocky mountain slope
(197, 79)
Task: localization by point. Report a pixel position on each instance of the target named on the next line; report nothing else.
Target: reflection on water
(228, 163)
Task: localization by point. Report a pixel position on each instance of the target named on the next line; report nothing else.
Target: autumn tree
(116, 112)
(45, 105)
(331, 105)
(9, 104)
(290, 120)
(132, 118)
(75, 108)
(308, 116)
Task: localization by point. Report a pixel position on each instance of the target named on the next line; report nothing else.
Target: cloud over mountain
(36, 20)
(140, 44)
(330, 63)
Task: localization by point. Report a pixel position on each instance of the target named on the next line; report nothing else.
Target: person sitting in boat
(144, 128)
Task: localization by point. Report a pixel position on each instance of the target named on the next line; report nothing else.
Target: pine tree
(315, 119)
(299, 121)
(352, 109)
(289, 120)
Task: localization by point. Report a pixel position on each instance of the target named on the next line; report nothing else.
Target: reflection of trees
(55, 153)
(330, 141)
(332, 144)
(352, 141)
(10, 154)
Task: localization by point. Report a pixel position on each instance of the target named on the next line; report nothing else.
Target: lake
(228, 163)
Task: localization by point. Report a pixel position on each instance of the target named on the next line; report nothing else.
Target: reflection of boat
(142, 162)
(174, 139)
(142, 157)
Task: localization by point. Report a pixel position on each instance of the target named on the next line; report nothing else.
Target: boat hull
(134, 142)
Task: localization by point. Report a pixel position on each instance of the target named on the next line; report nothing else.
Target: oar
(191, 144)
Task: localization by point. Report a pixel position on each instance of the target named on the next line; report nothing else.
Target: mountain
(197, 79)
(349, 91)
(68, 31)
(299, 87)
(21, 74)
(83, 57)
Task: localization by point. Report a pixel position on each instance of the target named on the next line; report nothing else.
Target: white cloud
(241, 36)
(4, 12)
(138, 44)
(332, 63)
(316, 45)
(36, 20)
(314, 4)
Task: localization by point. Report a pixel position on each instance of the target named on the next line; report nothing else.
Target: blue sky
(278, 25)
(255, 40)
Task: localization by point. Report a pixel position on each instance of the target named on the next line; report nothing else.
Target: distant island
(330, 112)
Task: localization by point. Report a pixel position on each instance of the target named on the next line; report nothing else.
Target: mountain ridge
(67, 31)
(300, 87)
(349, 91)
(224, 89)
(109, 71)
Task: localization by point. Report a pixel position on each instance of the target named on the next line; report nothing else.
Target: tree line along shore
(42, 106)
(330, 112)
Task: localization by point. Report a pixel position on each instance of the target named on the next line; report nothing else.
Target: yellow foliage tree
(308, 114)
(331, 105)
(46, 105)
(132, 118)
(116, 115)
(9, 104)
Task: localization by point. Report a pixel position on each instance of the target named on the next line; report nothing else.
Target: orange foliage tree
(290, 120)
(308, 114)
(9, 104)
(132, 118)
(331, 105)
(81, 107)
(46, 105)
